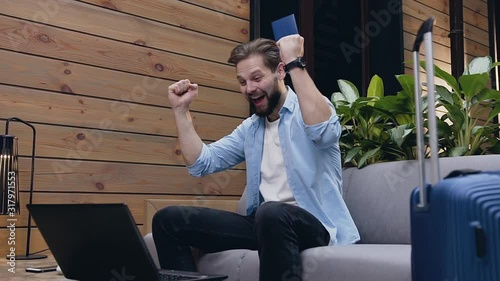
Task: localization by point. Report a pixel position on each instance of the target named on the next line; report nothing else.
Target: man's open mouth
(257, 100)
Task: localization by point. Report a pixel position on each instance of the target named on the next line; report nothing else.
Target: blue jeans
(279, 232)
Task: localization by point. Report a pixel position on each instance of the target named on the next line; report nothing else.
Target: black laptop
(100, 242)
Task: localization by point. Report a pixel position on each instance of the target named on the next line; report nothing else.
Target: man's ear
(281, 71)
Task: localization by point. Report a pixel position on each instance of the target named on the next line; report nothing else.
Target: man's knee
(161, 216)
(173, 215)
(271, 213)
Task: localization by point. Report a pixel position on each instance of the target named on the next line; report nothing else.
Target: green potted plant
(461, 129)
(381, 128)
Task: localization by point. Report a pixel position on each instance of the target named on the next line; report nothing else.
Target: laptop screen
(94, 241)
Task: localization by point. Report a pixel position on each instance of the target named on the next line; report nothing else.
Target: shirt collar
(291, 100)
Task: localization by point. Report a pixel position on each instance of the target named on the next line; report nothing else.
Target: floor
(8, 273)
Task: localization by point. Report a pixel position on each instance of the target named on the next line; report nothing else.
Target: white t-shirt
(274, 183)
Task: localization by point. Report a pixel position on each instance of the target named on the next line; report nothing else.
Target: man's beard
(272, 102)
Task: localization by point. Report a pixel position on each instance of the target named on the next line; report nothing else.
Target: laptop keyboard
(171, 277)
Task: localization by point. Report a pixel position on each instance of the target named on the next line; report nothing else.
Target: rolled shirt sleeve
(326, 133)
(220, 155)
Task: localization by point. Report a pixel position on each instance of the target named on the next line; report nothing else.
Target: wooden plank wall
(475, 29)
(92, 77)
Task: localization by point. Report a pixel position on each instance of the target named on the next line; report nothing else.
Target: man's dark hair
(264, 47)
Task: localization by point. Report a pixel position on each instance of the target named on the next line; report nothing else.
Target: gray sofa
(378, 199)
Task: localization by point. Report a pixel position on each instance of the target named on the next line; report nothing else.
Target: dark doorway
(351, 40)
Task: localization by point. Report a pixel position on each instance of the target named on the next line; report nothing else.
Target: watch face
(301, 62)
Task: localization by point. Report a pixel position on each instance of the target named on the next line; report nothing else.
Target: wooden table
(21, 274)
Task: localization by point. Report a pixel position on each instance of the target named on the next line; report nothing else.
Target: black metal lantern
(9, 181)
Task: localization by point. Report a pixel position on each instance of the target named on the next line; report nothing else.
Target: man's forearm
(312, 103)
(189, 140)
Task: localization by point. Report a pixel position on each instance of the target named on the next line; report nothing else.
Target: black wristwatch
(298, 62)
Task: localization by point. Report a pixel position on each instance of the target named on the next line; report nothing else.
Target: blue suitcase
(455, 222)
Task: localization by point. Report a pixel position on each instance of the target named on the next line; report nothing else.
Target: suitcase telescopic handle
(425, 35)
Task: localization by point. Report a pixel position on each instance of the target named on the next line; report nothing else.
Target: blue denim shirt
(312, 163)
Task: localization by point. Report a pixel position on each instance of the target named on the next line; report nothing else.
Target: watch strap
(298, 62)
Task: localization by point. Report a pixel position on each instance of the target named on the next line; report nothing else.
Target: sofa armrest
(150, 245)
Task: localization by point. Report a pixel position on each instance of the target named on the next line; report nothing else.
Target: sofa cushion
(334, 263)
(236, 264)
(378, 196)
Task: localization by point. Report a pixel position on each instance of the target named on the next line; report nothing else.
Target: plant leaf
(450, 80)
(404, 119)
(376, 87)
(479, 65)
(494, 112)
(349, 90)
(362, 125)
(456, 116)
(496, 147)
(488, 94)
(472, 84)
(444, 94)
(376, 132)
(338, 98)
(476, 129)
(407, 83)
(457, 151)
(399, 134)
(444, 128)
(351, 154)
(367, 155)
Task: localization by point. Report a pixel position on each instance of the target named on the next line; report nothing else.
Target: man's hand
(181, 94)
(291, 47)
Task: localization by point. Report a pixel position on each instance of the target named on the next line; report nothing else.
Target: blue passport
(284, 26)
